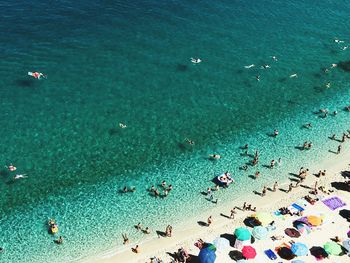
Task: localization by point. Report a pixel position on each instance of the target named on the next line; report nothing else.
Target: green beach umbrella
(242, 234)
(332, 248)
(264, 217)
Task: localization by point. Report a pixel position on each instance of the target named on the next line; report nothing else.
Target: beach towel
(270, 254)
(298, 207)
(302, 202)
(333, 203)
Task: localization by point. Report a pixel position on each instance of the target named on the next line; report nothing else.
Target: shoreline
(188, 231)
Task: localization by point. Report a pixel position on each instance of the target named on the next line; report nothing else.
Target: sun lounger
(298, 207)
(270, 254)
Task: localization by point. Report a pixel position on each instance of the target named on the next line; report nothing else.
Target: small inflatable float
(224, 179)
(53, 227)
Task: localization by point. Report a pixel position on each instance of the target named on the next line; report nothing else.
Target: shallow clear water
(129, 62)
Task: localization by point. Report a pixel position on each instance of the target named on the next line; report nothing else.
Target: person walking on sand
(233, 212)
(274, 188)
(263, 193)
(136, 249)
(290, 187)
(339, 149)
(209, 221)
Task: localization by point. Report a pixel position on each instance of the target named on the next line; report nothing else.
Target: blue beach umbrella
(298, 261)
(260, 232)
(221, 243)
(299, 249)
(207, 254)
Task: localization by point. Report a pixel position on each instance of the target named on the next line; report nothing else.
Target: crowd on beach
(226, 179)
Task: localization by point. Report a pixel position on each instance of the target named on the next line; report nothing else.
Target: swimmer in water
(20, 176)
(196, 60)
(345, 48)
(250, 66)
(214, 156)
(265, 67)
(293, 75)
(338, 41)
(11, 168)
(333, 65)
(274, 58)
(257, 78)
(328, 85)
(190, 142)
(121, 125)
(37, 75)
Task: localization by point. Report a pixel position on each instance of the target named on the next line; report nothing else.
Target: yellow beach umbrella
(314, 220)
(264, 218)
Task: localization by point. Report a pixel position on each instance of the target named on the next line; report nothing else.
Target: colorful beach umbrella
(207, 254)
(292, 232)
(260, 232)
(264, 217)
(299, 249)
(242, 233)
(221, 243)
(346, 244)
(285, 253)
(303, 228)
(332, 248)
(318, 252)
(314, 220)
(249, 252)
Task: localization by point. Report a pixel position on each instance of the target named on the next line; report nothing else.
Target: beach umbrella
(251, 221)
(249, 252)
(346, 244)
(221, 243)
(242, 261)
(260, 232)
(242, 233)
(207, 254)
(318, 252)
(314, 220)
(264, 217)
(285, 253)
(298, 261)
(332, 248)
(292, 232)
(299, 249)
(303, 228)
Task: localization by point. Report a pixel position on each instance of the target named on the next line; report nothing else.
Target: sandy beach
(186, 234)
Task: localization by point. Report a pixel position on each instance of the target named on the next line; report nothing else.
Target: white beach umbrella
(221, 243)
(346, 244)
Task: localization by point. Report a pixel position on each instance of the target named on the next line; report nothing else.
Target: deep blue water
(129, 61)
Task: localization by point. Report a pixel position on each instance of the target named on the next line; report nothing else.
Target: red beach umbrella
(249, 252)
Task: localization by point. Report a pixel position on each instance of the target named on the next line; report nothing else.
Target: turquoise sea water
(128, 61)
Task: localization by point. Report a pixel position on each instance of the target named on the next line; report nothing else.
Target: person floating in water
(19, 176)
(11, 168)
(190, 142)
(121, 125)
(293, 75)
(196, 60)
(250, 66)
(274, 58)
(37, 75)
(265, 67)
(214, 156)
